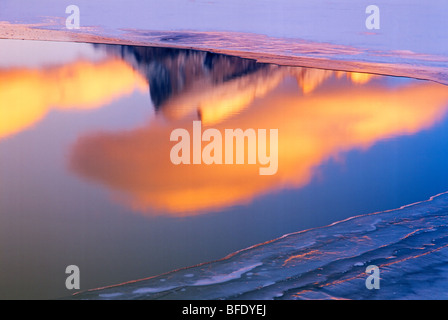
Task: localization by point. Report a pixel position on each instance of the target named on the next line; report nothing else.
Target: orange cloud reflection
(216, 103)
(26, 95)
(312, 128)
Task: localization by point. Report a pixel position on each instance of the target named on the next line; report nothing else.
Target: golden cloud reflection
(215, 103)
(26, 95)
(312, 128)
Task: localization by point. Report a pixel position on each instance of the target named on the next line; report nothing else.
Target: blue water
(52, 216)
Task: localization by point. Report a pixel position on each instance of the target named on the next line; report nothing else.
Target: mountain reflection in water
(319, 114)
(332, 112)
(86, 176)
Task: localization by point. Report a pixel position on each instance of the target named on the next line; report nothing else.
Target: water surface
(86, 177)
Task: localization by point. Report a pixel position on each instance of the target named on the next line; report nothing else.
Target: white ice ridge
(225, 277)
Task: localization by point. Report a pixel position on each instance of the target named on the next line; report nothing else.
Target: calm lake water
(86, 177)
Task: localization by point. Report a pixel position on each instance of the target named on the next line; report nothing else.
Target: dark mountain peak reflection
(210, 86)
(171, 72)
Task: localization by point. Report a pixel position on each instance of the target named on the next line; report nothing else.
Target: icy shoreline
(280, 51)
(409, 245)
